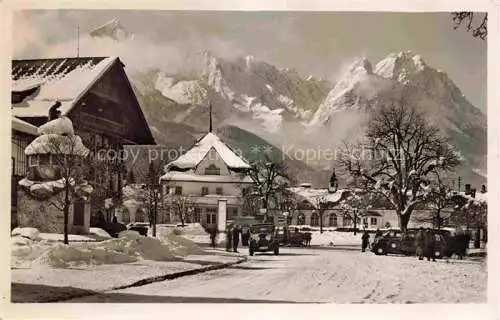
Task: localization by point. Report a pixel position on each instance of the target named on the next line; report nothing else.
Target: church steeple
(210, 106)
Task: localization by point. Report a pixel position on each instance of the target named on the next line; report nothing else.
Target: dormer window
(212, 170)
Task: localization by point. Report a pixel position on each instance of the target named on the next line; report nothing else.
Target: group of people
(425, 244)
(233, 233)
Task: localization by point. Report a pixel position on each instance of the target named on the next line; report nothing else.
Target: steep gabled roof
(198, 152)
(64, 79)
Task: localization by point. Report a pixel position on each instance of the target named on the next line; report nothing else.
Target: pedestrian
(430, 243)
(236, 238)
(461, 244)
(420, 243)
(245, 237)
(378, 233)
(229, 235)
(365, 239)
(213, 235)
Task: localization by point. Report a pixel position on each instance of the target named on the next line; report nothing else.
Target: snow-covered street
(337, 275)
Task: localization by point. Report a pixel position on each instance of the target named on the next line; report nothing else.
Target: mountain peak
(361, 66)
(111, 29)
(400, 66)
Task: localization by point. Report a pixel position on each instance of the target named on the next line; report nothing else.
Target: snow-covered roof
(191, 176)
(24, 127)
(65, 80)
(313, 195)
(196, 154)
(57, 144)
(480, 197)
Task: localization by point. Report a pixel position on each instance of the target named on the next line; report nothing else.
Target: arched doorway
(315, 220)
(125, 215)
(140, 216)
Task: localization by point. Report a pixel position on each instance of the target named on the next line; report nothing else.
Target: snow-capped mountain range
(295, 112)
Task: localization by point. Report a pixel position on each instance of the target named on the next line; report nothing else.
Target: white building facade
(208, 173)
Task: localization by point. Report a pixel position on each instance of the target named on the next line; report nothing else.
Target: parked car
(263, 239)
(140, 227)
(397, 242)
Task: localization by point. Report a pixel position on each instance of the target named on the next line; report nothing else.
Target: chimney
(467, 189)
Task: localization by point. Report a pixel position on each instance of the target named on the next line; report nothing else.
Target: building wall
(46, 217)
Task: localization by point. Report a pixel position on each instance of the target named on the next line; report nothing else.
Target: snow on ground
(191, 231)
(129, 247)
(321, 275)
(106, 276)
(335, 237)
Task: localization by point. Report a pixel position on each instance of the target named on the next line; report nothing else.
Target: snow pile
(129, 247)
(99, 232)
(57, 144)
(193, 229)
(64, 256)
(29, 233)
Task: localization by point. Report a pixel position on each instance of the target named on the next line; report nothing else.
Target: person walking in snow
(236, 238)
(430, 243)
(229, 236)
(420, 243)
(365, 239)
(213, 235)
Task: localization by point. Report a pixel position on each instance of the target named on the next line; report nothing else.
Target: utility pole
(77, 40)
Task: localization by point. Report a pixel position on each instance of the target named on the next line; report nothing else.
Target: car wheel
(379, 251)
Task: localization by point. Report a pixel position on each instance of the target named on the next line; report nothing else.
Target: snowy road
(320, 275)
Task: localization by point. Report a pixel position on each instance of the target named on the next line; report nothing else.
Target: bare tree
(152, 192)
(439, 198)
(355, 205)
(400, 151)
(182, 206)
(466, 18)
(320, 202)
(270, 178)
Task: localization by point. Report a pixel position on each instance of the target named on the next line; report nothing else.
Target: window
(332, 220)
(373, 221)
(33, 160)
(204, 191)
(301, 219)
(178, 190)
(212, 170)
(211, 215)
(218, 191)
(314, 220)
(365, 220)
(196, 214)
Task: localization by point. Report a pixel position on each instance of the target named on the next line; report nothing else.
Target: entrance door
(79, 212)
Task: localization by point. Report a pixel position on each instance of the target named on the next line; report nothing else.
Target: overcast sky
(317, 43)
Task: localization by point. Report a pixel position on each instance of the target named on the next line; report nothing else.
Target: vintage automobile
(263, 239)
(395, 242)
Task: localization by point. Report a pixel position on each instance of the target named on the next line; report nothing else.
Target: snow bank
(99, 232)
(64, 256)
(30, 233)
